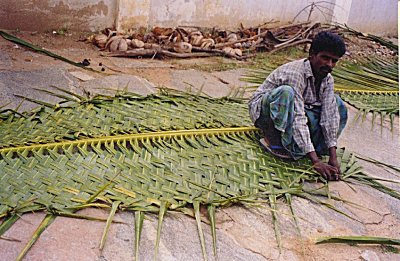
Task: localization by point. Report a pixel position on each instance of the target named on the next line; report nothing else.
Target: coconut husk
(185, 40)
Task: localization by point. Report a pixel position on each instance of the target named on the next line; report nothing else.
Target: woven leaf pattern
(198, 156)
(131, 114)
(209, 169)
(377, 103)
(383, 102)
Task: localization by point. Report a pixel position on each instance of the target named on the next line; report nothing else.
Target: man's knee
(342, 111)
(341, 105)
(278, 101)
(283, 91)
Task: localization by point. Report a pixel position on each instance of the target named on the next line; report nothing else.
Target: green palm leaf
(103, 117)
(48, 219)
(209, 156)
(139, 218)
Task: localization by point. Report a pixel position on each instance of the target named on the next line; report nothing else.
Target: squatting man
(297, 110)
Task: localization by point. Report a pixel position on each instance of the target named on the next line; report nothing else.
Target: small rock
(369, 255)
(85, 62)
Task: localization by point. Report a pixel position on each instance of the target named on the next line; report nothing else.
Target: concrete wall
(42, 15)
(133, 13)
(379, 17)
(372, 16)
(220, 13)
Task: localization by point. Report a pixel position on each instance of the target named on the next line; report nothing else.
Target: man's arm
(330, 122)
(333, 159)
(302, 137)
(301, 133)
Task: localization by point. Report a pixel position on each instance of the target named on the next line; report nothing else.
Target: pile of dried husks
(185, 42)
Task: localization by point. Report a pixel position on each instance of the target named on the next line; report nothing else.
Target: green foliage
(172, 152)
(126, 114)
(367, 75)
(382, 104)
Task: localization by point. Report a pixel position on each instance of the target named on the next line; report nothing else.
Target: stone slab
(24, 83)
(109, 85)
(82, 76)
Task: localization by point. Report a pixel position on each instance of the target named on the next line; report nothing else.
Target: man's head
(326, 49)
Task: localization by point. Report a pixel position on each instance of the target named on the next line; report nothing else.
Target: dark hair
(328, 42)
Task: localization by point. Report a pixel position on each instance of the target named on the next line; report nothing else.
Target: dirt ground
(72, 46)
(244, 233)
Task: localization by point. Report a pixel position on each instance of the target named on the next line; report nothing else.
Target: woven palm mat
(104, 116)
(171, 153)
(384, 104)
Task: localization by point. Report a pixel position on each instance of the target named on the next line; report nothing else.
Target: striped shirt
(298, 74)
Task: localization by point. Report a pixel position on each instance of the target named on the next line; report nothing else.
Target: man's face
(323, 63)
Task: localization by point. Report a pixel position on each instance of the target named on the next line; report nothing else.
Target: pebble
(369, 255)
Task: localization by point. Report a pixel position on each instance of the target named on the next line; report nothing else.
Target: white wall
(133, 13)
(372, 16)
(230, 13)
(378, 17)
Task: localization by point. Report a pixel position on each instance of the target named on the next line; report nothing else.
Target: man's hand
(334, 163)
(330, 171)
(327, 171)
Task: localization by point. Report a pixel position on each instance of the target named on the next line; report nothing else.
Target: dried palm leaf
(347, 30)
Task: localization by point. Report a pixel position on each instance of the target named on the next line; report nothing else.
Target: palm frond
(114, 208)
(345, 29)
(384, 104)
(205, 154)
(211, 216)
(369, 74)
(196, 206)
(102, 116)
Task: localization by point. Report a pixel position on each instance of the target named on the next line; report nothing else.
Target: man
(297, 109)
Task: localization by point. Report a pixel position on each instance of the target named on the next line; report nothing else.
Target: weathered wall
(230, 13)
(378, 17)
(133, 14)
(42, 15)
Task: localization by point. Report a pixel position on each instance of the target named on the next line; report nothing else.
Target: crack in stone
(379, 222)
